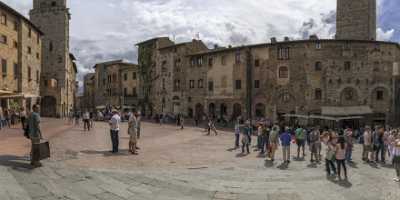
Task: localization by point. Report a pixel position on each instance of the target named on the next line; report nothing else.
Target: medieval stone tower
(52, 17)
(356, 19)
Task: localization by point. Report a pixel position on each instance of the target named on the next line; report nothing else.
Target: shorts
(314, 147)
(272, 147)
(300, 142)
(133, 139)
(368, 148)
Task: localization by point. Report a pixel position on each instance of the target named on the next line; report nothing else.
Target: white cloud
(108, 29)
(385, 35)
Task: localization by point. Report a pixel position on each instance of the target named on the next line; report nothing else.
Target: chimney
(216, 46)
(314, 37)
(286, 39)
(273, 40)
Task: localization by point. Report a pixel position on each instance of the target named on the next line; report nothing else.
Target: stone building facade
(163, 75)
(21, 59)
(353, 80)
(309, 77)
(356, 19)
(115, 85)
(88, 98)
(173, 96)
(58, 71)
(149, 72)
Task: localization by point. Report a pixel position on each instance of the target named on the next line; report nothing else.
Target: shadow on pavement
(343, 183)
(15, 162)
(269, 163)
(353, 165)
(232, 149)
(240, 155)
(301, 159)
(312, 165)
(283, 166)
(261, 155)
(121, 152)
(387, 165)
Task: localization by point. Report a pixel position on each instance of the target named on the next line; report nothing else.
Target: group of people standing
(378, 144)
(134, 131)
(10, 117)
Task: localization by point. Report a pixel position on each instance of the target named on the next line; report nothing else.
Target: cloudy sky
(108, 29)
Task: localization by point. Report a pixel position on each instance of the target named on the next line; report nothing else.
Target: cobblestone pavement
(172, 165)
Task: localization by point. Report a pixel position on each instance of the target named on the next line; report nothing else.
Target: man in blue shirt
(285, 142)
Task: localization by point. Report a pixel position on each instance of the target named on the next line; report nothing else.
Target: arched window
(380, 95)
(318, 94)
(283, 72)
(51, 46)
(318, 66)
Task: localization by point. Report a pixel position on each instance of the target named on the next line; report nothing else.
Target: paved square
(172, 164)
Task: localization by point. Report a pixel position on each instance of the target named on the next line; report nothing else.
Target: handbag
(41, 150)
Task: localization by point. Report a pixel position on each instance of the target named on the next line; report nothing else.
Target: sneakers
(396, 179)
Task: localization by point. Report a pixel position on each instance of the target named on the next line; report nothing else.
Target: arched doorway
(199, 111)
(349, 97)
(223, 110)
(211, 109)
(48, 106)
(260, 110)
(237, 111)
(190, 112)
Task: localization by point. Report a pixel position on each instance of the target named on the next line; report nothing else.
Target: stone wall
(356, 19)
(52, 17)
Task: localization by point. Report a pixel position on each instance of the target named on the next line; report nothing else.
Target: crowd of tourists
(379, 145)
(10, 118)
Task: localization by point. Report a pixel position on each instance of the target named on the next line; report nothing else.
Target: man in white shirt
(86, 121)
(114, 130)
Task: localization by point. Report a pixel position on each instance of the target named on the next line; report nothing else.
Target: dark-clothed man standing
(34, 132)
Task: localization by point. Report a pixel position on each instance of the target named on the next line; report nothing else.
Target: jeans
(286, 153)
(380, 148)
(114, 140)
(349, 153)
(86, 124)
(237, 137)
(264, 144)
(343, 164)
(330, 167)
(259, 142)
(245, 146)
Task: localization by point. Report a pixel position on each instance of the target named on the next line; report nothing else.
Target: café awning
(18, 95)
(323, 117)
(3, 92)
(346, 111)
(100, 107)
